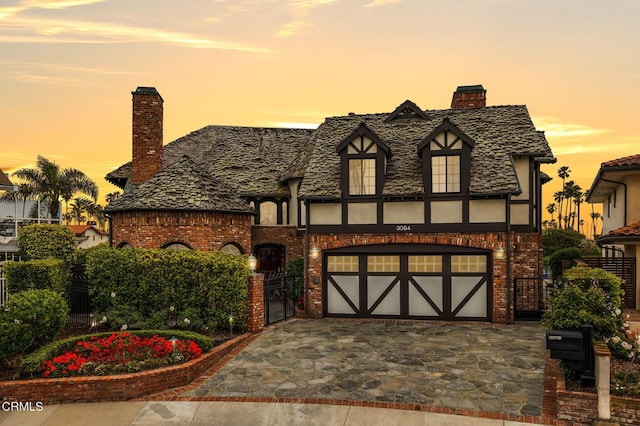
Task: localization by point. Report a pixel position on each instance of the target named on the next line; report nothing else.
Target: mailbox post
(574, 348)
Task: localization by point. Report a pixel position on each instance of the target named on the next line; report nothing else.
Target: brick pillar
(255, 303)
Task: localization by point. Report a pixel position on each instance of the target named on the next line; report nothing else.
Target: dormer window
(363, 161)
(446, 154)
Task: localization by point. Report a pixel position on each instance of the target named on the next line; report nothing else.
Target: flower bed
(119, 387)
(120, 353)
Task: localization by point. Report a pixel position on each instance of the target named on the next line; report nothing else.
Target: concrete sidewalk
(232, 413)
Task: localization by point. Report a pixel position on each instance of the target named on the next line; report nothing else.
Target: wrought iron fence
(282, 292)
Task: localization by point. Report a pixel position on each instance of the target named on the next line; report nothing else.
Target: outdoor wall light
(314, 252)
(253, 262)
(499, 253)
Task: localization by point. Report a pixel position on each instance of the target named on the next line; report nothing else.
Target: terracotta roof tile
(631, 160)
(631, 230)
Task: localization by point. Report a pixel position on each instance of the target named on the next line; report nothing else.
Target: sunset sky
(67, 69)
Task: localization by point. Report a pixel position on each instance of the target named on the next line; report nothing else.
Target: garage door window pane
(468, 264)
(383, 264)
(342, 264)
(425, 263)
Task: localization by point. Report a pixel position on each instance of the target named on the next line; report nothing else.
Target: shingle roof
(252, 159)
(183, 185)
(631, 160)
(499, 132)
(256, 161)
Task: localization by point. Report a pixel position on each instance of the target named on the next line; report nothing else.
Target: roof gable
(445, 126)
(407, 110)
(360, 131)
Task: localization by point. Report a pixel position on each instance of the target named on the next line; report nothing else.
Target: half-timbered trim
(407, 110)
(363, 158)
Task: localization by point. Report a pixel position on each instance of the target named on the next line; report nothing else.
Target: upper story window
(363, 162)
(446, 154)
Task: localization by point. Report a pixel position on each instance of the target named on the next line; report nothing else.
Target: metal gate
(80, 307)
(282, 292)
(530, 298)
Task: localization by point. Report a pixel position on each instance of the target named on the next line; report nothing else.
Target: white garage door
(446, 286)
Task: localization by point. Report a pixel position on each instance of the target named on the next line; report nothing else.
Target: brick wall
(625, 410)
(280, 234)
(205, 231)
(525, 260)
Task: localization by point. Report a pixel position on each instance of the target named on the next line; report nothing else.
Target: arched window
(231, 248)
(176, 246)
(268, 213)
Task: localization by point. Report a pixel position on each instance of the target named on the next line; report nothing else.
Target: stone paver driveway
(484, 367)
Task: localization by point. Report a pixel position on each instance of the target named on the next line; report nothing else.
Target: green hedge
(31, 364)
(30, 319)
(586, 295)
(42, 241)
(37, 275)
(152, 288)
(555, 261)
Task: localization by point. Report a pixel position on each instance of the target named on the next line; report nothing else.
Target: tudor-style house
(616, 186)
(421, 214)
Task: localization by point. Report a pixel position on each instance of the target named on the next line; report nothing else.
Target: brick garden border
(118, 387)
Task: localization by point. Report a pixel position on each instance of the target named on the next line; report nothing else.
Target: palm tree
(79, 207)
(51, 183)
(563, 173)
(558, 196)
(551, 209)
(23, 193)
(595, 216)
(578, 199)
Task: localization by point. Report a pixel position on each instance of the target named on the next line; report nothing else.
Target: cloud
(58, 4)
(291, 28)
(375, 3)
(301, 11)
(307, 4)
(63, 68)
(21, 30)
(556, 128)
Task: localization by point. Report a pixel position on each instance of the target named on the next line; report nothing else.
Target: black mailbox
(575, 349)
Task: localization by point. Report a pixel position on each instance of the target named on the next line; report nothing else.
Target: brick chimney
(469, 97)
(147, 133)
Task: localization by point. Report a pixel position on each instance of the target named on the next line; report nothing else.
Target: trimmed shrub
(152, 288)
(585, 295)
(555, 239)
(29, 319)
(555, 261)
(31, 365)
(37, 275)
(43, 241)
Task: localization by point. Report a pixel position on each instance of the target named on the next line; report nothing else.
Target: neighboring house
(422, 214)
(88, 235)
(14, 214)
(616, 187)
